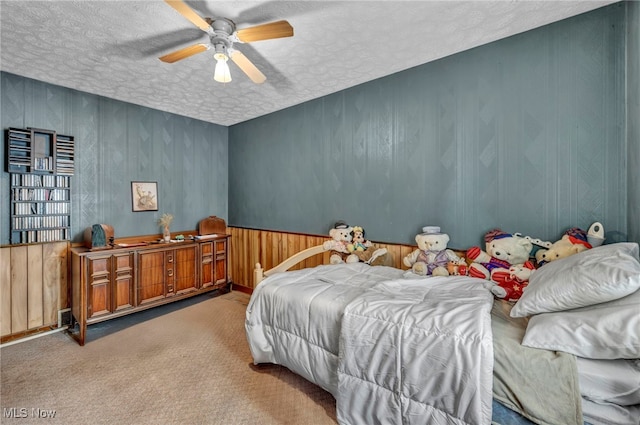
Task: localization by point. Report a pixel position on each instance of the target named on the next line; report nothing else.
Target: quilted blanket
(417, 352)
(390, 350)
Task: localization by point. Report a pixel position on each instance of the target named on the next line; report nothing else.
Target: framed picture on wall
(144, 196)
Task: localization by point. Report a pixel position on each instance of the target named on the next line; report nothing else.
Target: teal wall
(633, 118)
(534, 134)
(527, 134)
(117, 143)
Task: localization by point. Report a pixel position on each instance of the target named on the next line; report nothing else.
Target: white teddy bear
(341, 237)
(502, 251)
(432, 256)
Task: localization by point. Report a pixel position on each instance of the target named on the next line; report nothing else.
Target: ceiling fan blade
(184, 53)
(277, 29)
(188, 13)
(247, 67)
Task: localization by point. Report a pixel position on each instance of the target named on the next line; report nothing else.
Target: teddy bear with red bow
(504, 262)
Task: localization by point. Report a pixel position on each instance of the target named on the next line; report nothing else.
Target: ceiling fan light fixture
(221, 73)
(222, 34)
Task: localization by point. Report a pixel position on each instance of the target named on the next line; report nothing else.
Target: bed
(395, 348)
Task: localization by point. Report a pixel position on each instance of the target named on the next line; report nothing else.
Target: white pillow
(604, 331)
(590, 277)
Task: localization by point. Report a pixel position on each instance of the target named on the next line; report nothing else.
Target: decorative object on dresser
(40, 164)
(211, 225)
(165, 222)
(99, 236)
(137, 273)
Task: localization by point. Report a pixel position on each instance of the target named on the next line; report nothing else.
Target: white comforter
(391, 350)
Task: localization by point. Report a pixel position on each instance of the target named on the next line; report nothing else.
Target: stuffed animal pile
(348, 245)
(505, 265)
(509, 260)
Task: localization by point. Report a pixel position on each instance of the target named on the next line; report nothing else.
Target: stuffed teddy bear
(358, 241)
(509, 285)
(458, 268)
(339, 244)
(572, 242)
(366, 251)
(432, 256)
(502, 251)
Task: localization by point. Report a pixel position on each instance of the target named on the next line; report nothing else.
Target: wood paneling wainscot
(33, 287)
(270, 248)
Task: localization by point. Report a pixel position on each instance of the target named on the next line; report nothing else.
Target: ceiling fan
(222, 35)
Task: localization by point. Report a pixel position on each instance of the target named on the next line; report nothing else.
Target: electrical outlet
(64, 317)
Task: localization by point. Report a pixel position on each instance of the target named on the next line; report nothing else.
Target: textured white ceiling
(111, 48)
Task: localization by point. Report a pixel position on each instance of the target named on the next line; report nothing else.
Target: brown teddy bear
(573, 241)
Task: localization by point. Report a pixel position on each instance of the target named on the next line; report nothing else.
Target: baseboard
(240, 288)
(28, 334)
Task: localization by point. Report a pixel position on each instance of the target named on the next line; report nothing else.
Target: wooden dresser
(113, 282)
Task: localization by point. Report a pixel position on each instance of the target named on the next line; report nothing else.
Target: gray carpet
(183, 363)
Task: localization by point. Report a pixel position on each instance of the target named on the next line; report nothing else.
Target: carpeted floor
(183, 363)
